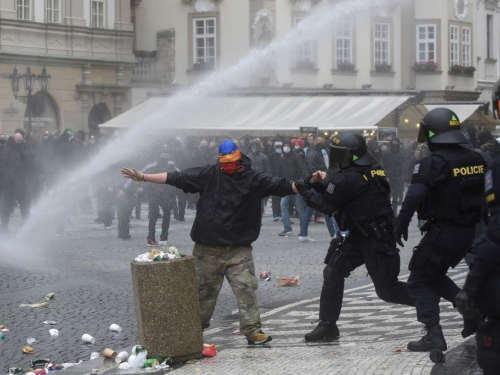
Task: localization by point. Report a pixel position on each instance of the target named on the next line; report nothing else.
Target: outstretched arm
(134, 175)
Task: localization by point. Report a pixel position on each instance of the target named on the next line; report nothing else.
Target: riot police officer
(449, 186)
(359, 196)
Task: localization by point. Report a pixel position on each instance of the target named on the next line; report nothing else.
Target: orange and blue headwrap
(229, 152)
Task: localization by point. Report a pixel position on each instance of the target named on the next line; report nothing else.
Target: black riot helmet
(492, 185)
(349, 148)
(441, 126)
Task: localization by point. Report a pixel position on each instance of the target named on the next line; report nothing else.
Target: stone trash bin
(167, 308)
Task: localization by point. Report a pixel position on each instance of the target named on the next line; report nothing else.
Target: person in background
(260, 162)
(14, 176)
(160, 196)
(393, 161)
(274, 156)
(489, 145)
(293, 168)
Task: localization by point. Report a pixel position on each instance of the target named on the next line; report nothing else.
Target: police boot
(434, 339)
(324, 330)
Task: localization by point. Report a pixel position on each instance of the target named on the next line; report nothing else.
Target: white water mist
(55, 204)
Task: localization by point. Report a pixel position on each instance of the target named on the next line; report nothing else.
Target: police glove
(464, 306)
(302, 186)
(401, 232)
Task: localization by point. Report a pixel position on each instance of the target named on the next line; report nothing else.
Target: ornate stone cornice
(203, 5)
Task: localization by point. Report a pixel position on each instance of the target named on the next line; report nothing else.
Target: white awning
(463, 111)
(273, 115)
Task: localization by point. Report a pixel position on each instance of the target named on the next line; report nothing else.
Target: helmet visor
(339, 158)
(421, 138)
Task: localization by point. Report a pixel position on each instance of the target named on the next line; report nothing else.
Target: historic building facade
(87, 48)
(446, 49)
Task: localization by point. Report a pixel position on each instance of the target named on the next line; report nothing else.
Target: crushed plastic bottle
(39, 304)
(139, 360)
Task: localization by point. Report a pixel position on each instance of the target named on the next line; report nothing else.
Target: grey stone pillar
(167, 309)
(165, 63)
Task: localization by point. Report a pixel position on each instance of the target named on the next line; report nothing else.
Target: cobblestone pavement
(90, 274)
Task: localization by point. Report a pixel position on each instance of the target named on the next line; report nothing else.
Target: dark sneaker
(152, 242)
(125, 236)
(285, 232)
(434, 339)
(259, 338)
(323, 331)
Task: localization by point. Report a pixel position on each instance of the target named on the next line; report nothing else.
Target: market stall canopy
(463, 110)
(272, 115)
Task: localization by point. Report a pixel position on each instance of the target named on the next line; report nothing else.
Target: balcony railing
(145, 70)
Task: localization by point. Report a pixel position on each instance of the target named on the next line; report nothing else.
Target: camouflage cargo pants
(236, 264)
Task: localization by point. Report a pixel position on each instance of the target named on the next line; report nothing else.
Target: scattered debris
(115, 328)
(53, 332)
(236, 332)
(28, 350)
(151, 363)
(209, 350)
(236, 311)
(2, 336)
(192, 361)
(50, 296)
(266, 275)
(94, 355)
(39, 363)
(87, 339)
(156, 255)
(94, 371)
(15, 370)
(122, 357)
(109, 353)
(31, 340)
(124, 366)
(50, 322)
(139, 349)
(39, 304)
(287, 281)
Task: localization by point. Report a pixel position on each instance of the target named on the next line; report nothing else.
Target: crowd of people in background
(30, 166)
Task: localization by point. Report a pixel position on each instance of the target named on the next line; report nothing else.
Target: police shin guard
(434, 339)
(323, 331)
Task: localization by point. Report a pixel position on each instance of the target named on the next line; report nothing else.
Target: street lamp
(29, 80)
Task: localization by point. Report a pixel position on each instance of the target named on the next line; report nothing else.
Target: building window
(490, 32)
(97, 13)
(304, 55)
(382, 40)
(466, 46)
(23, 9)
(204, 42)
(343, 42)
(53, 11)
(454, 45)
(426, 43)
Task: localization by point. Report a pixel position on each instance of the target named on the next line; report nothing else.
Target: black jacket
(292, 167)
(314, 159)
(260, 162)
(228, 211)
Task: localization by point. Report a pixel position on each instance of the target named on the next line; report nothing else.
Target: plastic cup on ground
(94, 355)
(115, 328)
(109, 353)
(87, 339)
(131, 358)
(122, 357)
(124, 366)
(53, 332)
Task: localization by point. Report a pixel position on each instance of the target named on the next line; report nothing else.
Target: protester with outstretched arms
(227, 222)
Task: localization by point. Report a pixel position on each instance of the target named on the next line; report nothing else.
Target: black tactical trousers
(382, 267)
(442, 247)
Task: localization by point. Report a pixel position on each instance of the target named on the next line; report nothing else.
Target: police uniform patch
(416, 169)
(488, 181)
(331, 188)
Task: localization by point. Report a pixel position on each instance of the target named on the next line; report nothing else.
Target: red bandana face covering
(231, 167)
